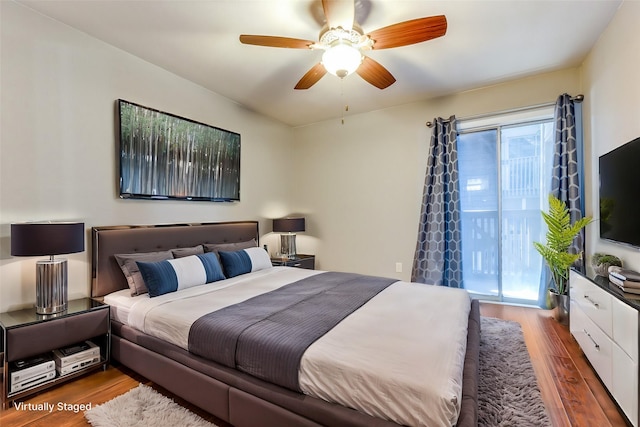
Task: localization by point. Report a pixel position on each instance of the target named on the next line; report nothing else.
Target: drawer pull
(297, 265)
(597, 346)
(595, 304)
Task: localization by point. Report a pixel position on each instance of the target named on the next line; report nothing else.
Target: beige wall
(360, 184)
(57, 152)
(612, 110)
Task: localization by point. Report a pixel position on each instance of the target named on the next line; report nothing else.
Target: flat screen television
(620, 194)
(164, 156)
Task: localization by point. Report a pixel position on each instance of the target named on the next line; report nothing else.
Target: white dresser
(605, 324)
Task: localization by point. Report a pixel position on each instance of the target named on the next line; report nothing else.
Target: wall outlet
(398, 267)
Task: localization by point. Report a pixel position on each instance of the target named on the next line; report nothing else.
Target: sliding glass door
(505, 177)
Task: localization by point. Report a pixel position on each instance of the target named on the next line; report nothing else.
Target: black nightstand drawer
(42, 337)
(308, 263)
(300, 261)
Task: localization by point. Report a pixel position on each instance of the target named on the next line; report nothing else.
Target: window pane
(525, 160)
(501, 205)
(477, 161)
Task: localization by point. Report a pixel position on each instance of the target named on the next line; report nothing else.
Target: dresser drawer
(625, 328)
(605, 325)
(595, 345)
(594, 302)
(625, 383)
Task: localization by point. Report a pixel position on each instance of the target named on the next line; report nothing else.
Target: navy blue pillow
(235, 263)
(244, 261)
(159, 277)
(180, 273)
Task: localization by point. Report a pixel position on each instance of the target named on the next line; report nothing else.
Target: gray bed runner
(266, 336)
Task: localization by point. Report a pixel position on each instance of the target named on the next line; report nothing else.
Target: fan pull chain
(346, 109)
(346, 106)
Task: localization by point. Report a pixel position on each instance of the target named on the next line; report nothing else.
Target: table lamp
(48, 238)
(288, 241)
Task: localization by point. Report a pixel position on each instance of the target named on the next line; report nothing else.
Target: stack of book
(627, 280)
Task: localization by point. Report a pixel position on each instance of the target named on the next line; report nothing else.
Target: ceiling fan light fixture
(343, 41)
(341, 59)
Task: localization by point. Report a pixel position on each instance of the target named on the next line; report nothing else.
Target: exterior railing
(480, 243)
(520, 177)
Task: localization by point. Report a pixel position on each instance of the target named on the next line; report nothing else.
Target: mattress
(406, 345)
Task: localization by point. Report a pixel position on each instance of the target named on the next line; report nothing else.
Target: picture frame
(164, 156)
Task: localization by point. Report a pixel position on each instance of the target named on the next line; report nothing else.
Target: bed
(165, 351)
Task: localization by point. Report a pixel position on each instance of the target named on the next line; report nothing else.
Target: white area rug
(142, 407)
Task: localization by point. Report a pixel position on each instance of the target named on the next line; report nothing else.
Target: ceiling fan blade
(339, 13)
(409, 32)
(275, 41)
(374, 73)
(311, 77)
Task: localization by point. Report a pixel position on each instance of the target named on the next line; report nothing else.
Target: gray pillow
(229, 247)
(184, 252)
(127, 263)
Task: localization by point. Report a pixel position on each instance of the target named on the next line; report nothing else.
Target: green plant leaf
(560, 235)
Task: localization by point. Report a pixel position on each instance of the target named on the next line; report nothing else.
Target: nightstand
(300, 261)
(26, 334)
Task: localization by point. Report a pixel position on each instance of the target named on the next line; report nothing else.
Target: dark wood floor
(571, 391)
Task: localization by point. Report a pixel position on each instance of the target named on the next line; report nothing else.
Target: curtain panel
(438, 255)
(567, 164)
(566, 181)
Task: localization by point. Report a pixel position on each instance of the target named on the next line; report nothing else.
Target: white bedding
(406, 347)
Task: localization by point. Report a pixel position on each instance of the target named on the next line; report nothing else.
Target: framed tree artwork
(164, 156)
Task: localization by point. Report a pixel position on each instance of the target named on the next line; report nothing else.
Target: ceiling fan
(344, 43)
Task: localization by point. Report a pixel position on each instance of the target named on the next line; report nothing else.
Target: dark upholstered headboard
(107, 276)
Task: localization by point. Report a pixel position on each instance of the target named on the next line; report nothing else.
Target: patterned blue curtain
(438, 256)
(566, 182)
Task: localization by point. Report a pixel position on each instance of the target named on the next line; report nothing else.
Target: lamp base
(51, 286)
(288, 245)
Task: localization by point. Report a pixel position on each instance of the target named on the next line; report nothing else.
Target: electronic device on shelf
(33, 381)
(31, 361)
(78, 365)
(78, 352)
(21, 371)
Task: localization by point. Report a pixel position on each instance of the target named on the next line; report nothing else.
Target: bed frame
(232, 396)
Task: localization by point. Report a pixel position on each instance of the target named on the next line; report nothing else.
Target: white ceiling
(487, 42)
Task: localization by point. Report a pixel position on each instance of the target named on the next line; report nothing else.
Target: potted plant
(602, 262)
(560, 235)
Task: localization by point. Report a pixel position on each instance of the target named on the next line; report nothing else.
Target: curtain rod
(577, 98)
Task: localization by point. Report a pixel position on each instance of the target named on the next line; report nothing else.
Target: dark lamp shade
(288, 225)
(46, 238)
